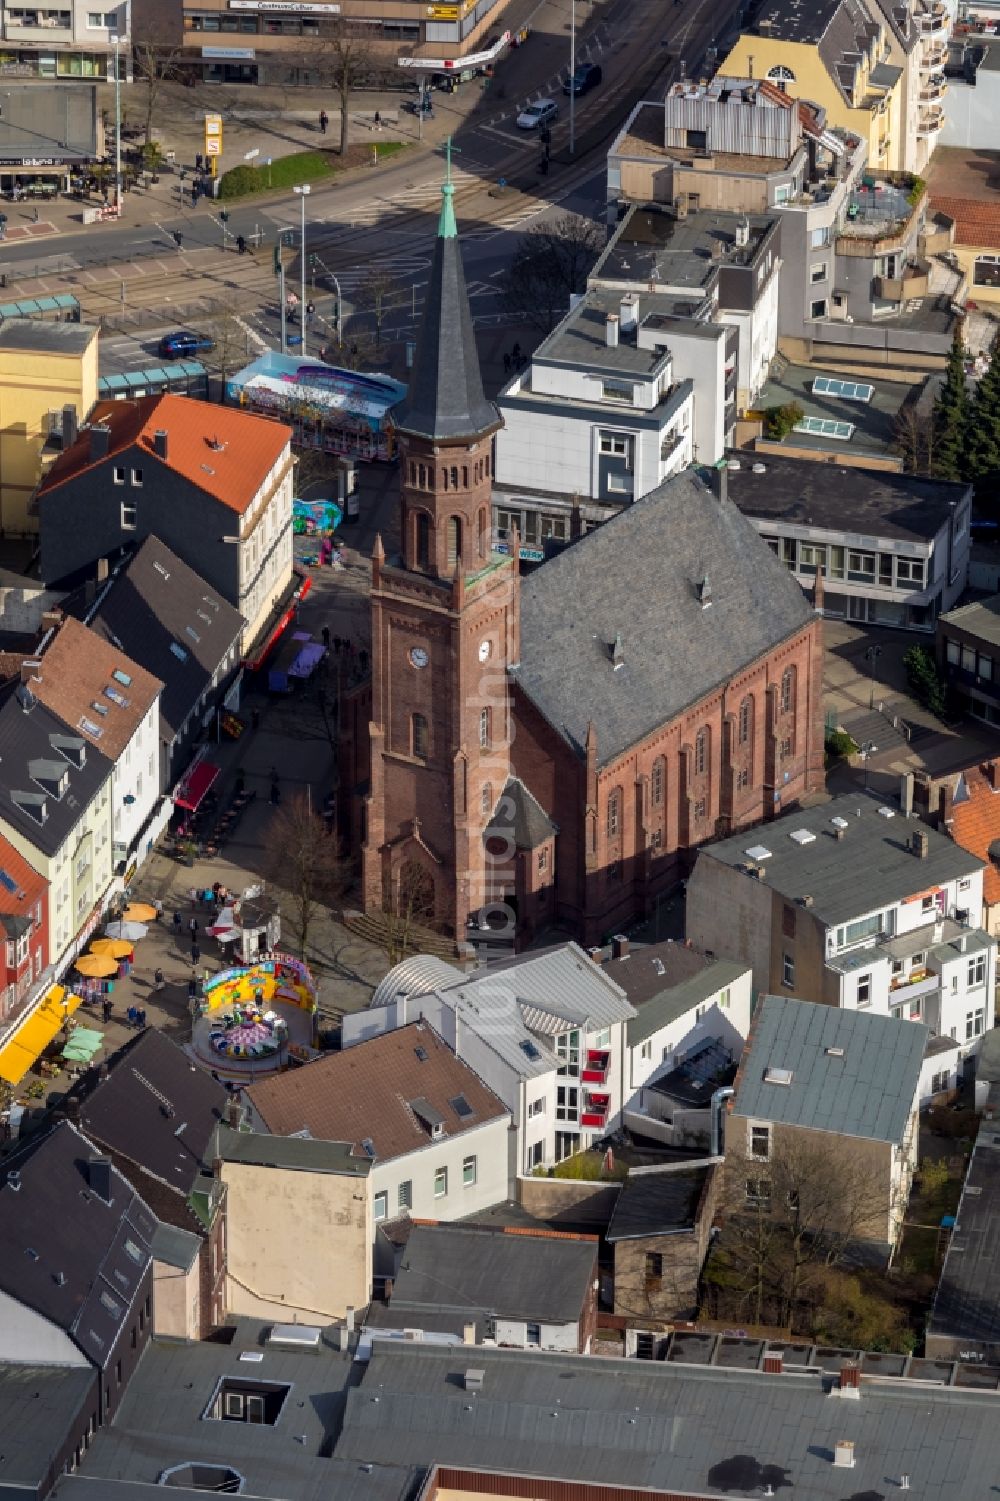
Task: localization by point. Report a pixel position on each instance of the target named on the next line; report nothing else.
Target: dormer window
(51, 776)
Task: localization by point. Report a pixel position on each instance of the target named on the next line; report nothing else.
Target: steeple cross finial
(447, 228)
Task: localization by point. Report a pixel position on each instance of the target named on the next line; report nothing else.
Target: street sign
(248, 156)
(213, 146)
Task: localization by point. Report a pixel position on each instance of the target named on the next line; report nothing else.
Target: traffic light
(224, 215)
(312, 263)
(277, 259)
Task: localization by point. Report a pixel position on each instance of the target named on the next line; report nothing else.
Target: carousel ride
(254, 1019)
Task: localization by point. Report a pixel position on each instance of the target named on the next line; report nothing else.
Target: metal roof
(417, 975)
(967, 1301)
(675, 1001)
(828, 1069)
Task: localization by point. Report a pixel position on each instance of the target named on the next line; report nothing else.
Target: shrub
(839, 743)
(924, 679)
(779, 421)
(284, 172)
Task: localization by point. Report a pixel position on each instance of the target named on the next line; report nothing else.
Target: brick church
(551, 749)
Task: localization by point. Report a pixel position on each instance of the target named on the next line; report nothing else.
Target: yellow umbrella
(96, 966)
(112, 948)
(139, 912)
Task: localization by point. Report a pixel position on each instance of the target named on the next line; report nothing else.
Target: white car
(542, 112)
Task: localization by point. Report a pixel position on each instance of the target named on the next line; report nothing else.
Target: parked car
(586, 77)
(541, 112)
(181, 344)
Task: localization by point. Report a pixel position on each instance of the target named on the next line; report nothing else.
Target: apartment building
(857, 906)
(66, 40)
(24, 912)
(213, 483)
(968, 652)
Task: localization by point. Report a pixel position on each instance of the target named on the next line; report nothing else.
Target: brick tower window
(701, 753)
(418, 736)
(614, 813)
(454, 541)
(423, 539)
(656, 782)
(485, 729)
(487, 802)
(788, 690)
(746, 713)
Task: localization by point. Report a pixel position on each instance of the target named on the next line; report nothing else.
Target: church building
(552, 749)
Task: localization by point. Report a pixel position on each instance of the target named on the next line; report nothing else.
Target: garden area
(303, 167)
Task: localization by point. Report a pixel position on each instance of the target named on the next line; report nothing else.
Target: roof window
(778, 1076)
(89, 727)
(803, 836)
(758, 852)
(178, 651)
(122, 677)
(116, 697)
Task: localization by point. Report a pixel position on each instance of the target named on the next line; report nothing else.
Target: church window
(454, 476)
(487, 797)
(701, 753)
(788, 690)
(422, 473)
(444, 479)
(615, 813)
(418, 736)
(454, 541)
(656, 782)
(484, 530)
(487, 466)
(423, 539)
(465, 476)
(485, 728)
(413, 473)
(746, 709)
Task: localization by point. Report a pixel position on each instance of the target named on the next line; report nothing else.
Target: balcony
(933, 89)
(595, 1111)
(931, 120)
(913, 282)
(934, 24)
(879, 213)
(911, 987)
(595, 1070)
(933, 56)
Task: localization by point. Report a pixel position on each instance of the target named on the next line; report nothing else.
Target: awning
(303, 587)
(32, 1034)
(189, 793)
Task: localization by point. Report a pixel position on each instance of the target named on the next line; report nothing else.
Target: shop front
(39, 177)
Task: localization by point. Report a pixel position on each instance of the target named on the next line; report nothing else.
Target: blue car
(586, 77)
(180, 345)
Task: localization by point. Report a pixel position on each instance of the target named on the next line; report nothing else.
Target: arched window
(444, 479)
(418, 736)
(413, 473)
(454, 476)
(454, 541)
(656, 783)
(422, 481)
(487, 466)
(423, 523)
(485, 729)
(465, 476)
(782, 77)
(615, 813)
(487, 797)
(484, 531)
(746, 720)
(788, 690)
(701, 753)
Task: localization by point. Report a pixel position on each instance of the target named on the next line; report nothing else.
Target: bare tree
(228, 331)
(407, 911)
(550, 265)
(790, 1218)
(154, 61)
(377, 294)
(343, 59)
(914, 438)
(306, 864)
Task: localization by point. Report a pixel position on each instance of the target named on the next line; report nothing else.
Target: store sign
(37, 161)
(241, 54)
(451, 64)
(213, 146)
(213, 125)
(295, 7)
(443, 12)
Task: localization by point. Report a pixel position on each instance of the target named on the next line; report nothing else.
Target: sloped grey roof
(638, 577)
(40, 1406)
(868, 1091)
(445, 399)
(967, 1301)
(520, 814)
(417, 975)
(674, 1001)
(660, 1203)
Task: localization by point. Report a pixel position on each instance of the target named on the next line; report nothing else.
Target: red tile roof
(977, 221)
(20, 886)
(976, 824)
(225, 452)
(367, 1092)
(76, 681)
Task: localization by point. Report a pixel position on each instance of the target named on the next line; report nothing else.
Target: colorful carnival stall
(338, 411)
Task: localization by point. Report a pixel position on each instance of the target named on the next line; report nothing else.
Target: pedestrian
(378, 120)
(336, 645)
(275, 794)
(310, 311)
(195, 953)
(326, 637)
(140, 1017)
(515, 353)
(34, 216)
(193, 928)
(194, 194)
(159, 908)
(506, 364)
(199, 162)
(178, 238)
(241, 244)
(177, 924)
(106, 1010)
(158, 979)
(324, 120)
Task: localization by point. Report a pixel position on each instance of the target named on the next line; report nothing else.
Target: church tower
(444, 629)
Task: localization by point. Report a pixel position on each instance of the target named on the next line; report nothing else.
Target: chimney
(681, 206)
(628, 312)
(468, 1334)
(100, 442)
(70, 425)
(919, 843)
(990, 773)
(611, 331)
(773, 1363)
(474, 1380)
(742, 235)
(839, 832)
(99, 1177)
(102, 570)
(234, 1113)
(843, 1454)
(946, 801)
(618, 652)
(31, 670)
(720, 482)
(160, 443)
(850, 1381)
(349, 1319)
(906, 793)
(705, 592)
(819, 593)
(619, 946)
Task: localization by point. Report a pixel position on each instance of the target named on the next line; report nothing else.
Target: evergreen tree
(950, 421)
(983, 443)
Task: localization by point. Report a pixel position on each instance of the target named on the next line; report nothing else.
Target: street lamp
(872, 653)
(116, 39)
(572, 75)
(867, 751)
(303, 191)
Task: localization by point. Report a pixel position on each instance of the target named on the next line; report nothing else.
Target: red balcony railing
(595, 1070)
(595, 1111)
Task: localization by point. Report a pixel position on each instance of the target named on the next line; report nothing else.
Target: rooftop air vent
(758, 852)
(834, 1052)
(839, 823)
(803, 836)
(886, 812)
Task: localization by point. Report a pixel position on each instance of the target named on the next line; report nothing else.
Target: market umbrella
(139, 912)
(112, 948)
(132, 930)
(83, 1043)
(96, 966)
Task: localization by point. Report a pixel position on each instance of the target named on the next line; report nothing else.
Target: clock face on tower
(485, 647)
(418, 657)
